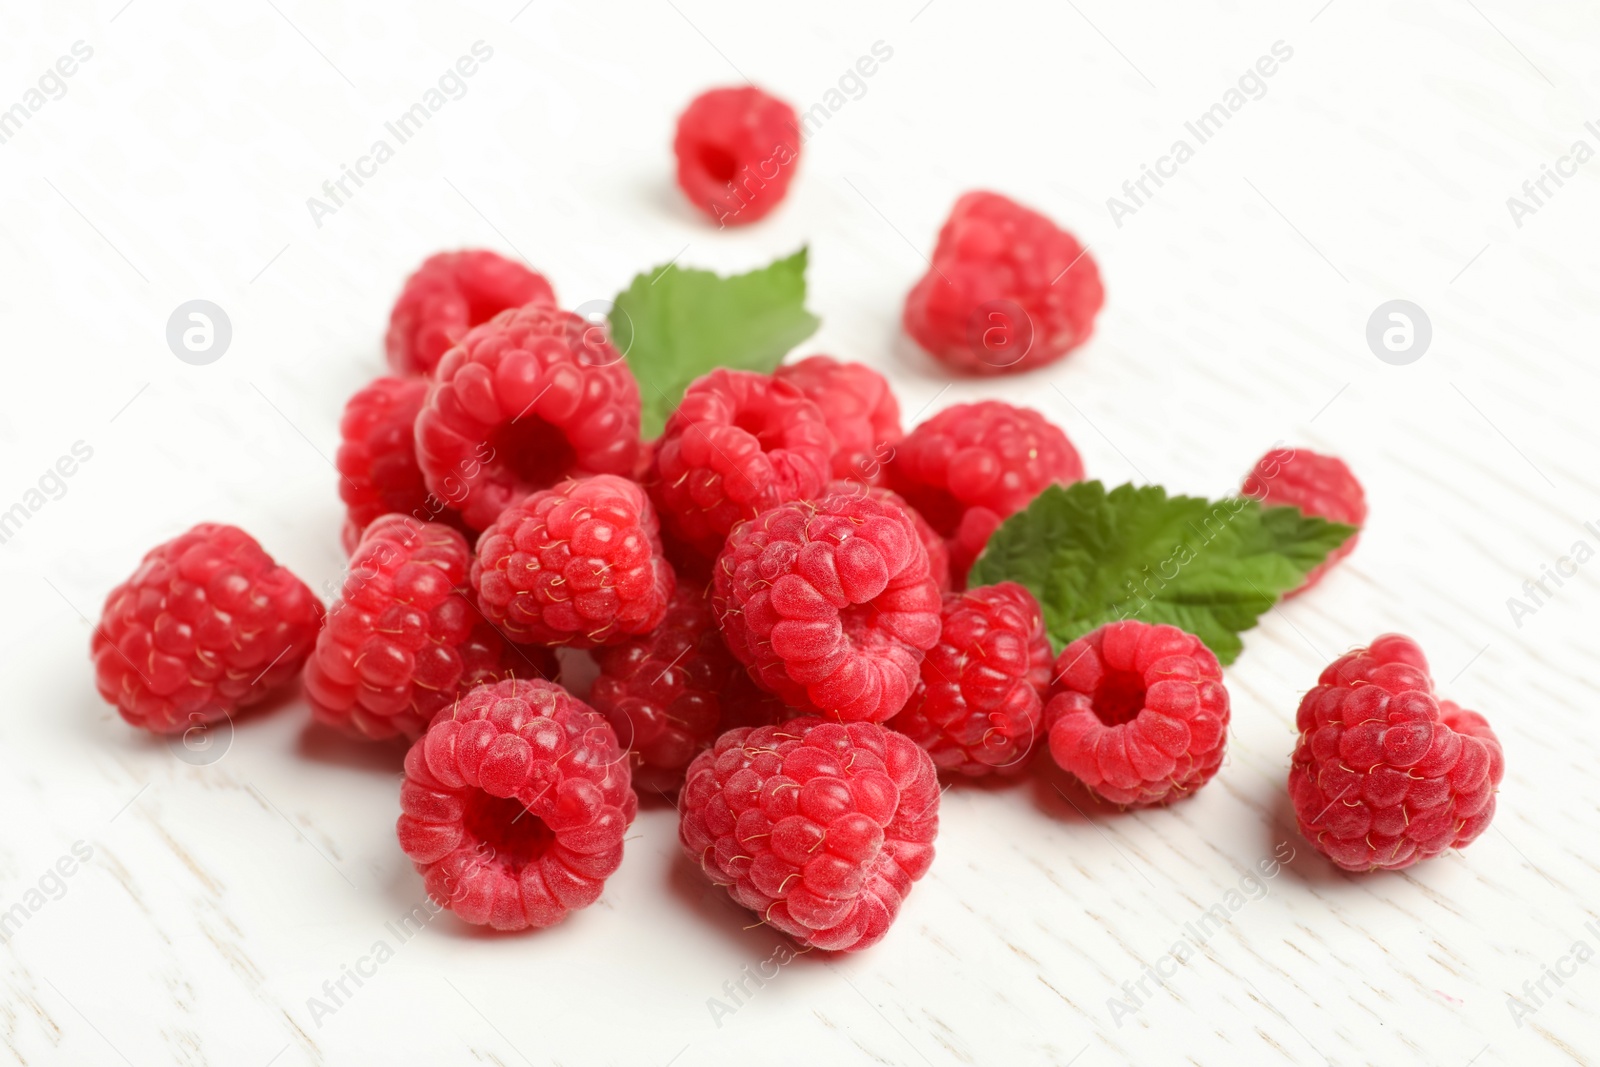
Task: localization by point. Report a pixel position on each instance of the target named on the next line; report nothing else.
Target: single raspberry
(525, 400)
(514, 805)
(980, 704)
(1140, 714)
(972, 466)
(1316, 484)
(669, 693)
(578, 564)
(448, 295)
(829, 604)
(860, 409)
(737, 152)
(1007, 290)
(739, 443)
(1385, 774)
(377, 459)
(405, 639)
(207, 625)
(938, 554)
(818, 827)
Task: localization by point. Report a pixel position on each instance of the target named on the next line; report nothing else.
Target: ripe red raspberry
(1385, 774)
(860, 409)
(818, 827)
(515, 803)
(737, 152)
(1316, 484)
(830, 604)
(207, 625)
(938, 554)
(448, 295)
(578, 564)
(1140, 714)
(980, 704)
(972, 466)
(404, 639)
(669, 693)
(525, 400)
(377, 459)
(1007, 290)
(739, 443)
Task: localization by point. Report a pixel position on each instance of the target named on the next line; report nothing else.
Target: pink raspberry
(738, 444)
(207, 625)
(1007, 290)
(818, 827)
(972, 466)
(514, 805)
(377, 459)
(938, 554)
(404, 639)
(1140, 714)
(737, 152)
(1384, 773)
(670, 692)
(533, 396)
(829, 604)
(1316, 484)
(448, 295)
(980, 704)
(578, 564)
(860, 409)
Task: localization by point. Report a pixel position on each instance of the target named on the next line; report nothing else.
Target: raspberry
(1007, 290)
(1316, 484)
(818, 827)
(829, 604)
(669, 693)
(938, 554)
(1140, 714)
(448, 295)
(377, 459)
(738, 444)
(1385, 774)
(578, 564)
(861, 412)
(525, 400)
(980, 703)
(207, 625)
(514, 805)
(404, 639)
(737, 151)
(972, 466)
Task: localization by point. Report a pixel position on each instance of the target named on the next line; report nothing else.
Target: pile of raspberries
(774, 593)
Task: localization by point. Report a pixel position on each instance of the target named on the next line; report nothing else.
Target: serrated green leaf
(676, 323)
(1210, 567)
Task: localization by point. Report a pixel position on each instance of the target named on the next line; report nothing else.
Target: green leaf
(1210, 567)
(676, 323)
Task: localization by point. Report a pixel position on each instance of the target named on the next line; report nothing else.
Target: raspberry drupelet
(820, 828)
(529, 398)
(737, 151)
(938, 553)
(1384, 773)
(830, 605)
(972, 466)
(738, 444)
(1007, 290)
(860, 409)
(578, 564)
(515, 803)
(1139, 713)
(979, 707)
(404, 638)
(209, 624)
(377, 459)
(1316, 484)
(448, 295)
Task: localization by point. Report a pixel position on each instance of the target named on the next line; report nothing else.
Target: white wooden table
(214, 910)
